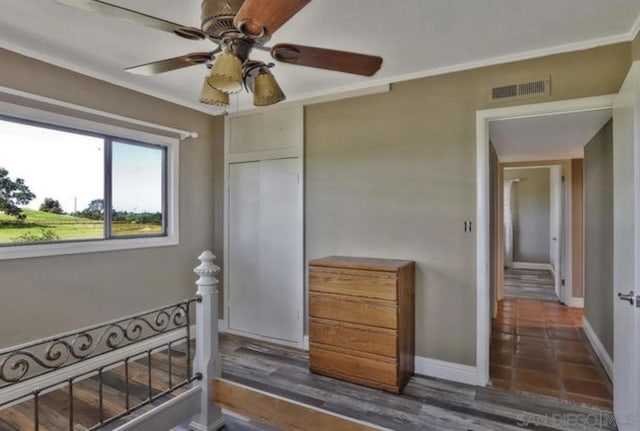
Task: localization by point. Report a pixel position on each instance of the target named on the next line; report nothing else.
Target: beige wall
(393, 175)
(635, 50)
(598, 204)
(389, 175)
(577, 227)
(44, 296)
(531, 198)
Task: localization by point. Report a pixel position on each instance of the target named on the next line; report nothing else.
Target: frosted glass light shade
(226, 73)
(266, 90)
(211, 96)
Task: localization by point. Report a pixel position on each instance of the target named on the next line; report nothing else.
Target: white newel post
(207, 357)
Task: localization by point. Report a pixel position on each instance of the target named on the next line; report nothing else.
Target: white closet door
(244, 234)
(265, 248)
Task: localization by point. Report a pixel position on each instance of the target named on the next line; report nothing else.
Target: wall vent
(533, 88)
(505, 92)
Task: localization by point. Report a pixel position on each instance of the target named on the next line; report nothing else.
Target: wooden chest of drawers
(361, 320)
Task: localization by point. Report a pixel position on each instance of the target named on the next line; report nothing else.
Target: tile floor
(539, 346)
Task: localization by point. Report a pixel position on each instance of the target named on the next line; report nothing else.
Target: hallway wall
(598, 257)
(577, 227)
(531, 214)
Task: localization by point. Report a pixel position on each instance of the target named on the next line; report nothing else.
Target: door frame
(483, 205)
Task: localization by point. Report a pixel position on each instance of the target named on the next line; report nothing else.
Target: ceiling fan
(237, 27)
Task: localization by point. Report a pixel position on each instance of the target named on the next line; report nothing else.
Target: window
(66, 189)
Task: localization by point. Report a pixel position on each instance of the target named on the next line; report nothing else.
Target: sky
(69, 168)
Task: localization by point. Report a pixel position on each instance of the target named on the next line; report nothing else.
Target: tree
(52, 206)
(13, 193)
(95, 210)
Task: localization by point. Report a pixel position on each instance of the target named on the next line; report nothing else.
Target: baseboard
(532, 265)
(222, 325)
(296, 344)
(597, 345)
(446, 370)
(305, 342)
(575, 302)
(167, 415)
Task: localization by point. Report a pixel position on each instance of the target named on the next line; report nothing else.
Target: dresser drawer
(345, 309)
(364, 284)
(342, 363)
(382, 342)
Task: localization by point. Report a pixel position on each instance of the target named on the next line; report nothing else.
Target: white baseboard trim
(222, 325)
(296, 344)
(597, 345)
(532, 265)
(305, 342)
(167, 415)
(446, 370)
(575, 302)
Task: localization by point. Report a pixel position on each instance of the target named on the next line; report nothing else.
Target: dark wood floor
(54, 406)
(427, 404)
(529, 284)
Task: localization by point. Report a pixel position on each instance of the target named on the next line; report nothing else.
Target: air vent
(533, 88)
(504, 92)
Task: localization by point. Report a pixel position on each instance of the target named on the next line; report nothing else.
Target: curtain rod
(182, 134)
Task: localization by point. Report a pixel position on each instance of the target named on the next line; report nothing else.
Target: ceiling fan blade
(107, 9)
(170, 64)
(341, 61)
(258, 18)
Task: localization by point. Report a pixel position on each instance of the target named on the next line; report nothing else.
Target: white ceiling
(551, 137)
(415, 38)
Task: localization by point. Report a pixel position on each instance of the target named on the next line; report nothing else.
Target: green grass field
(42, 226)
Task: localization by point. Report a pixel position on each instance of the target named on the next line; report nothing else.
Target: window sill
(81, 247)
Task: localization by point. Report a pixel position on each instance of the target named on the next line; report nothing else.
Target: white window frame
(172, 144)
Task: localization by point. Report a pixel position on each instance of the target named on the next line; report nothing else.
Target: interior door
(556, 228)
(265, 248)
(626, 198)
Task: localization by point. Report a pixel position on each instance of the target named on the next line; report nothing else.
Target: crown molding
(27, 52)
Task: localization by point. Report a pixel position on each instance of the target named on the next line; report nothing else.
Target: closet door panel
(244, 233)
(280, 247)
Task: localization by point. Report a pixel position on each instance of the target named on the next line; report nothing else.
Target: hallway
(539, 346)
(529, 284)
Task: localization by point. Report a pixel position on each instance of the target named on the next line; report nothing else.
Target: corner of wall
(635, 46)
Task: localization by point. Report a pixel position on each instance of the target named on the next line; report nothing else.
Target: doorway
(538, 344)
(534, 343)
(533, 239)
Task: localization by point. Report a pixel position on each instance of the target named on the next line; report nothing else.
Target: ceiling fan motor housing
(217, 17)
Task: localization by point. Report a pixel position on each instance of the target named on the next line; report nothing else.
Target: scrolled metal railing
(33, 370)
(25, 362)
(129, 407)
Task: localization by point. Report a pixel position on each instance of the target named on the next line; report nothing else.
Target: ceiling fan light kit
(211, 96)
(238, 26)
(226, 73)
(266, 90)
